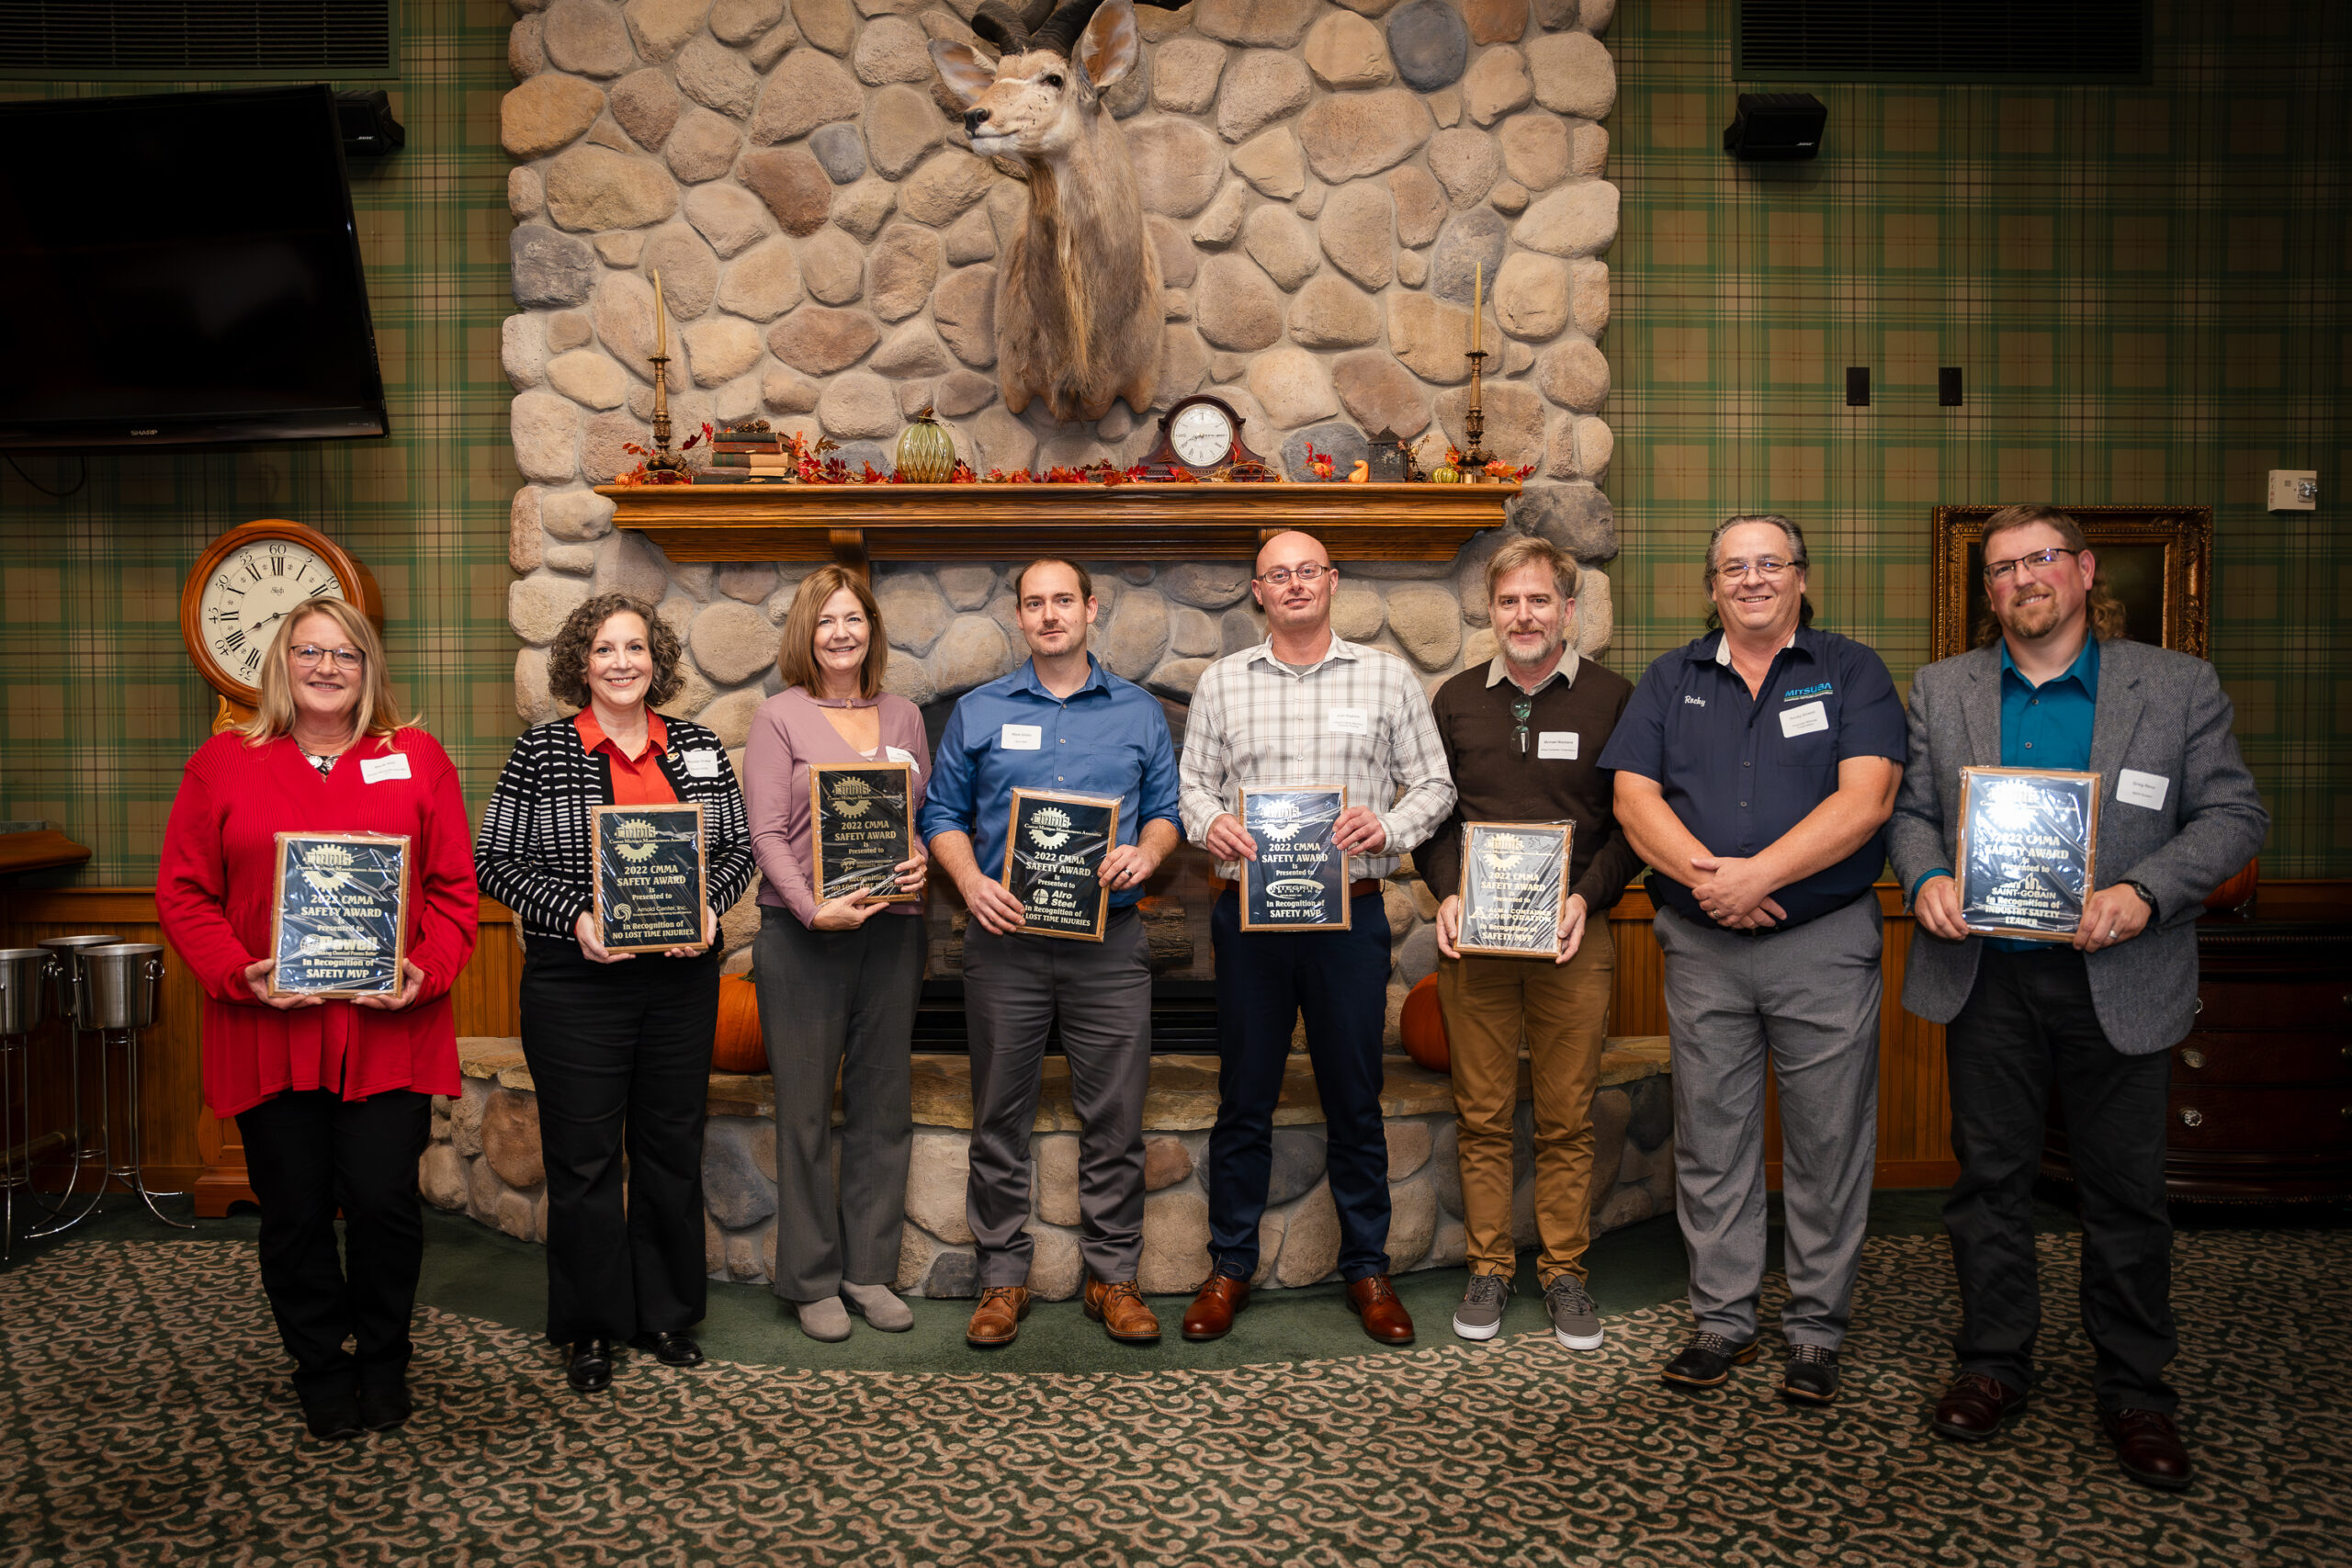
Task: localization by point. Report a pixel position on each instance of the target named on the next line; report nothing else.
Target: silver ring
(2110, 934)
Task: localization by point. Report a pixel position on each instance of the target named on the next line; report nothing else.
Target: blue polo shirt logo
(1798, 693)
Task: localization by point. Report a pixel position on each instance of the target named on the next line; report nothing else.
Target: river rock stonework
(827, 246)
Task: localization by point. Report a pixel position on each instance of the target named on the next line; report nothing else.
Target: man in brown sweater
(1521, 735)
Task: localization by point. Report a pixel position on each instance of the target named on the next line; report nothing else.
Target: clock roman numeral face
(1202, 436)
(251, 592)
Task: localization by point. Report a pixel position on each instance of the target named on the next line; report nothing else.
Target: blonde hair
(795, 653)
(2106, 610)
(378, 712)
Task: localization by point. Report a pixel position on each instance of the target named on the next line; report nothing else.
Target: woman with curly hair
(619, 1049)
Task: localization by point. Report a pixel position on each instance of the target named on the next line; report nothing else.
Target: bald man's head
(1294, 583)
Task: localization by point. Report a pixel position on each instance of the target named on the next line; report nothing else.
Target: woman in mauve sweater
(838, 979)
(334, 1097)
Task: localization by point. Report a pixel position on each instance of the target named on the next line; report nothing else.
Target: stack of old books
(749, 453)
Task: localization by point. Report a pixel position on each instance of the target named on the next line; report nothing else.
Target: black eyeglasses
(1521, 710)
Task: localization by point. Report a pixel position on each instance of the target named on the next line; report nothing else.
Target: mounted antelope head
(1079, 314)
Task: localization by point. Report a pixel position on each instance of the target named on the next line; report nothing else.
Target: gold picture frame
(2157, 559)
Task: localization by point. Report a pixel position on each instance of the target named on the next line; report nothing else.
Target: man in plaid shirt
(1304, 707)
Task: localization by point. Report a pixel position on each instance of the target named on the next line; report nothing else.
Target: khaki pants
(1563, 1009)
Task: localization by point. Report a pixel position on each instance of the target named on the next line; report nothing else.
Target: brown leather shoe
(1976, 1408)
(1213, 1311)
(997, 1320)
(1119, 1309)
(2149, 1445)
(1373, 1299)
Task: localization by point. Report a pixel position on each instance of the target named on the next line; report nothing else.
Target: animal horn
(1061, 29)
(996, 22)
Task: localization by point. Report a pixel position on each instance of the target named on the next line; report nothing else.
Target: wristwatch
(2156, 910)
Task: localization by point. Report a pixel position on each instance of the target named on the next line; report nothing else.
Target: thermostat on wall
(2294, 489)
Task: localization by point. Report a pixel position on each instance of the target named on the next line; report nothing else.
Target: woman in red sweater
(334, 1097)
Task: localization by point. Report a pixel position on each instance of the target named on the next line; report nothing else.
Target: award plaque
(861, 826)
(1514, 888)
(338, 924)
(2026, 842)
(1299, 881)
(1054, 847)
(650, 885)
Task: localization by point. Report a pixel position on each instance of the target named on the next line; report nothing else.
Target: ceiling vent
(1943, 40)
(198, 41)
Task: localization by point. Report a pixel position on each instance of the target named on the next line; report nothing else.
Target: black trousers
(2028, 1026)
(308, 1154)
(1339, 980)
(621, 1054)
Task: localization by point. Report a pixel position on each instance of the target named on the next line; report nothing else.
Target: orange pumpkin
(738, 1047)
(2236, 892)
(1423, 1027)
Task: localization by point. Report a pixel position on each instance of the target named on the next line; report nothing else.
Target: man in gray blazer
(2060, 689)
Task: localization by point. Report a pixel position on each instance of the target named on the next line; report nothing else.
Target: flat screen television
(183, 268)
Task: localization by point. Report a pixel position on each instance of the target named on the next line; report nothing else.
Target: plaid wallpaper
(98, 704)
(2143, 286)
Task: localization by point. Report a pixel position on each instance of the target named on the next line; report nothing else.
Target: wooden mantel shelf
(853, 523)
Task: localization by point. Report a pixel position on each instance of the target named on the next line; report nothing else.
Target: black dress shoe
(2149, 1446)
(591, 1370)
(333, 1418)
(383, 1406)
(1812, 1375)
(1707, 1362)
(670, 1346)
(1976, 1408)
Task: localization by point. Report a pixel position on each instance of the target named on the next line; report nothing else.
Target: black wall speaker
(369, 129)
(1776, 126)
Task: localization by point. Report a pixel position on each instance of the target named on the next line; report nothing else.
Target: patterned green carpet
(144, 1418)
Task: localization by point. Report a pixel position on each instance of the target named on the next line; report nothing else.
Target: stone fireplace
(1321, 183)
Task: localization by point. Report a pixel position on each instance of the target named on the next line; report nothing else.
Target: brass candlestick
(663, 466)
(1473, 423)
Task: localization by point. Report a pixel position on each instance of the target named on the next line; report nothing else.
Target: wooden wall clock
(1201, 434)
(248, 581)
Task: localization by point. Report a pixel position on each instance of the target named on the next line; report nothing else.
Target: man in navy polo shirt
(1756, 769)
(1060, 722)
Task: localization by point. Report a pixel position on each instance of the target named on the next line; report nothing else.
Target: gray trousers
(1014, 987)
(1808, 999)
(839, 1005)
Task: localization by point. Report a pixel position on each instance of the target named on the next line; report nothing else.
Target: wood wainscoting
(185, 1148)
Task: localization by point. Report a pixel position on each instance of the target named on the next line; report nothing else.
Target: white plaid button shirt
(1256, 721)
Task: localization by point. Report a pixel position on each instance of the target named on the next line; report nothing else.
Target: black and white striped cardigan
(533, 852)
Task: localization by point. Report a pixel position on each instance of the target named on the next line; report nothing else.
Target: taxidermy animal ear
(966, 75)
(1110, 46)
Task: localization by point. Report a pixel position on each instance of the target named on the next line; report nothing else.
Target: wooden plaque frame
(1102, 889)
(597, 816)
(1470, 831)
(1347, 905)
(817, 772)
(283, 842)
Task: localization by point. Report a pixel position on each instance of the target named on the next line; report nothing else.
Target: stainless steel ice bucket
(73, 1000)
(23, 980)
(121, 984)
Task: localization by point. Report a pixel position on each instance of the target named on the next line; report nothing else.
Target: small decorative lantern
(1388, 458)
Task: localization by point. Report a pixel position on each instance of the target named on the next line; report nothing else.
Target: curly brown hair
(568, 655)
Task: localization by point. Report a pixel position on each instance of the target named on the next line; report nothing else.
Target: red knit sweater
(213, 890)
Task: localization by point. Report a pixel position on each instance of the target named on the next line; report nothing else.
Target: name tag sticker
(1805, 718)
(2134, 787)
(892, 754)
(376, 770)
(1350, 721)
(1021, 738)
(1556, 745)
(702, 764)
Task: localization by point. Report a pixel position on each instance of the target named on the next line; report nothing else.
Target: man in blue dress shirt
(2057, 686)
(1060, 722)
(1755, 768)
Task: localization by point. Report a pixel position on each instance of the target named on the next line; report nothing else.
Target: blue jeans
(1265, 980)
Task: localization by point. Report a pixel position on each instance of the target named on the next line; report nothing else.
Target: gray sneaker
(1480, 1316)
(1575, 1319)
